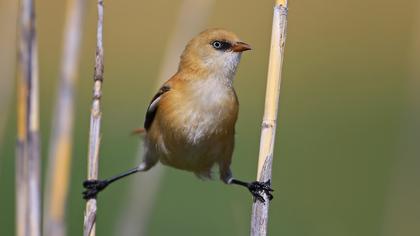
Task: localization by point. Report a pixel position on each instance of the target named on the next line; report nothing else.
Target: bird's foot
(258, 188)
(93, 187)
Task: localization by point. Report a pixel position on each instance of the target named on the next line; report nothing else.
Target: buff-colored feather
(194, 126)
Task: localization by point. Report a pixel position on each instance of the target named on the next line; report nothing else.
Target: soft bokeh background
(347, 158)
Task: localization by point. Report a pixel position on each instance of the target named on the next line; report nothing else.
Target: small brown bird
(190, 122)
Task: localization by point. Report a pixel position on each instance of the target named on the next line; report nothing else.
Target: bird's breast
(204, 110)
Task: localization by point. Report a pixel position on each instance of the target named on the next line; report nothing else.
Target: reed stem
(28, 215)
(59, 160)
(268, 130)
(95, 125)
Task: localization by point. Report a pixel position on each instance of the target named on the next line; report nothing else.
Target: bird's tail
(138, 131)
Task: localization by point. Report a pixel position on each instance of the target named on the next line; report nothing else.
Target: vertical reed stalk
(192, 17)
(268, 129)
(95, 125)
(28, 216)
(21, 155)
(59, 160)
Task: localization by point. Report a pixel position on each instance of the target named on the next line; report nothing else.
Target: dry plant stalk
(95, 125)
(59, 161)
(192, 16)
(28, 215)
(268, 129)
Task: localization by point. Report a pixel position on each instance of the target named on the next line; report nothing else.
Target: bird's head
(214, 51)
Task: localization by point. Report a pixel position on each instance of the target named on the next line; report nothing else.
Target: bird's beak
(240, 47)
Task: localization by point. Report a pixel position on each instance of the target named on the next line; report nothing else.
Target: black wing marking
(153, 106)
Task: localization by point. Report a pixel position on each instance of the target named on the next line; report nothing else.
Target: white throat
(224, 65)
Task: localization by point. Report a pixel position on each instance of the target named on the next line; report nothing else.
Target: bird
(190, 122)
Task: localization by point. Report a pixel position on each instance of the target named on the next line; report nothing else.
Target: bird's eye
(220, 45)
(217, 44)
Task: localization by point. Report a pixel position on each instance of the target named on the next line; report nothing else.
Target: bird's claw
(258, 188)
(93, 187)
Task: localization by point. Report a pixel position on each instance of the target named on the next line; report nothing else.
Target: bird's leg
(256, 188)
(93, 187)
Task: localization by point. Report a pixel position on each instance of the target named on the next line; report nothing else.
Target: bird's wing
(153, 106)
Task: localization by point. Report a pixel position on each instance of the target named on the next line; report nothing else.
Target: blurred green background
(347, 157)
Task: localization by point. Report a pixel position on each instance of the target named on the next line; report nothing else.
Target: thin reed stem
(268, 129)
(59, 160)
(95, 125)
(28, 216)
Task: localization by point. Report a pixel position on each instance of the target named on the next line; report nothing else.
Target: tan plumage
(191, 132)
(190, 122)
(193, 127)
